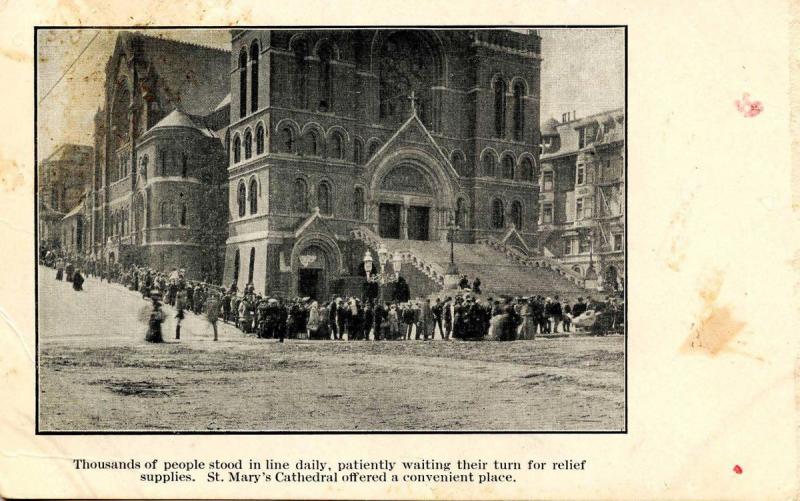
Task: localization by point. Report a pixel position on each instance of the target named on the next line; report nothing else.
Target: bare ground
(97, 373)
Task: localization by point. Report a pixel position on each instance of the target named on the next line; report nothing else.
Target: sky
(582, 71)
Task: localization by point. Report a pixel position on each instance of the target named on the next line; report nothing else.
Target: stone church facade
(159, 186)
(397, 131)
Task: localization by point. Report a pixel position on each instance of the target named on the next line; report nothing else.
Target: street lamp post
(382, 278)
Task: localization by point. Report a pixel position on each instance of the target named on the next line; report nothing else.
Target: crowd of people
(465, 315)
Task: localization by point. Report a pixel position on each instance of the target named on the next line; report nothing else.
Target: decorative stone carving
(406, 179)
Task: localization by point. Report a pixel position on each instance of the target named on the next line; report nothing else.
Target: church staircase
(503, 270)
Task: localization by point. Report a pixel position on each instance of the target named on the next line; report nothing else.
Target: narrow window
(242, 84)
(324, 198)
(508, 167)
(241, 198)
(253, 196)
(254, 77)
(498, 216)
(499, 107)
(325, 79)
(183, 215)
(516, 214)
(252, 266)
(259, 139)
(519, 111)
(358, 152)
(248, 144)
(237, 150)
(488, 165)
(358, 204)
(184, 165)
(547, 181)
(300, 190)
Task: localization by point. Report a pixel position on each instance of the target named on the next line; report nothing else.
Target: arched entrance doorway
(412, 197)
(316, 261)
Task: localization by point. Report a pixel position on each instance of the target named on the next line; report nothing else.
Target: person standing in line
(180, 305)
(567, 318)
(426, 320)
(408, 321)
(77, 280)
(212, 312)
(156, 319)
(369, 320)
(476, 285)
(394, 322)
(313, 320)
(436, 312)
(447, 317)
(333, 315)
(59, 269)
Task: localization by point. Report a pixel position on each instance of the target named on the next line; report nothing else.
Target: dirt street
(98, 373)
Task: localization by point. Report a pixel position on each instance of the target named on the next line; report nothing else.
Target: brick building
(159, 186)
(395, 131)
(64, 177)
(582, 196)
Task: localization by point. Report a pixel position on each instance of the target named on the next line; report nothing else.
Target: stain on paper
(716, 326)
(11, 176)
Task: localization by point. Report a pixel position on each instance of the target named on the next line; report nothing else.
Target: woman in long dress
(77, 280)
(154, 323)
(394, 323)
(313, 320)
(527, 330)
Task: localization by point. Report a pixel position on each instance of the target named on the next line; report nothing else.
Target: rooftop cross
(413, 103)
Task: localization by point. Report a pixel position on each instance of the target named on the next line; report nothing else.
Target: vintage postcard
(523, 256)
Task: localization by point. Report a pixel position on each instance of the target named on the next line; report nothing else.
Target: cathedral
(296, 158)
(397, 134)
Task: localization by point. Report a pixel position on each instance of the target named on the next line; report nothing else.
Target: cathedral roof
(190, 76)
(180, 119)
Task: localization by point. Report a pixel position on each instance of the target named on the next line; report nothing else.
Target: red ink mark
(747, 107)
(737, 469)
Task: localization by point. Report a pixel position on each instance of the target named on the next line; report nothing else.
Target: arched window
(457, 159)
(499, 107)
(335, 147)
(324, 198)
(237, 150)
(301, 73)
(325, 78)
(358, 151)
(299, 199)
(252, 266)
(240, 198)
(243, 83)
(516, 214)
(259, 139)
(167, 214)
(184, 165)
(508, 167)
(407, 64)
(373, 148)
(462, 217)
(236, 264)
(254, 77)
(526, 169)
(248, 144)
(287, 140)
(519, 111)
(358, 204)
(488, 165)
(163, 162)
(183, 214)
(310, 144)
(143, 170)
(253, 196)
(498, 214)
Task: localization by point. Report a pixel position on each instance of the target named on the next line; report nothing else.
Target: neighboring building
(74, 237)
(582, 195)
(393, 130)
(64, 177)
(160, 192)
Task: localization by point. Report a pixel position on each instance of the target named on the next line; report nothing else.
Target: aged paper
(690, 394)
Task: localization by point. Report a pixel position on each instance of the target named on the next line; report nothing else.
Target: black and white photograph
(331, 230)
